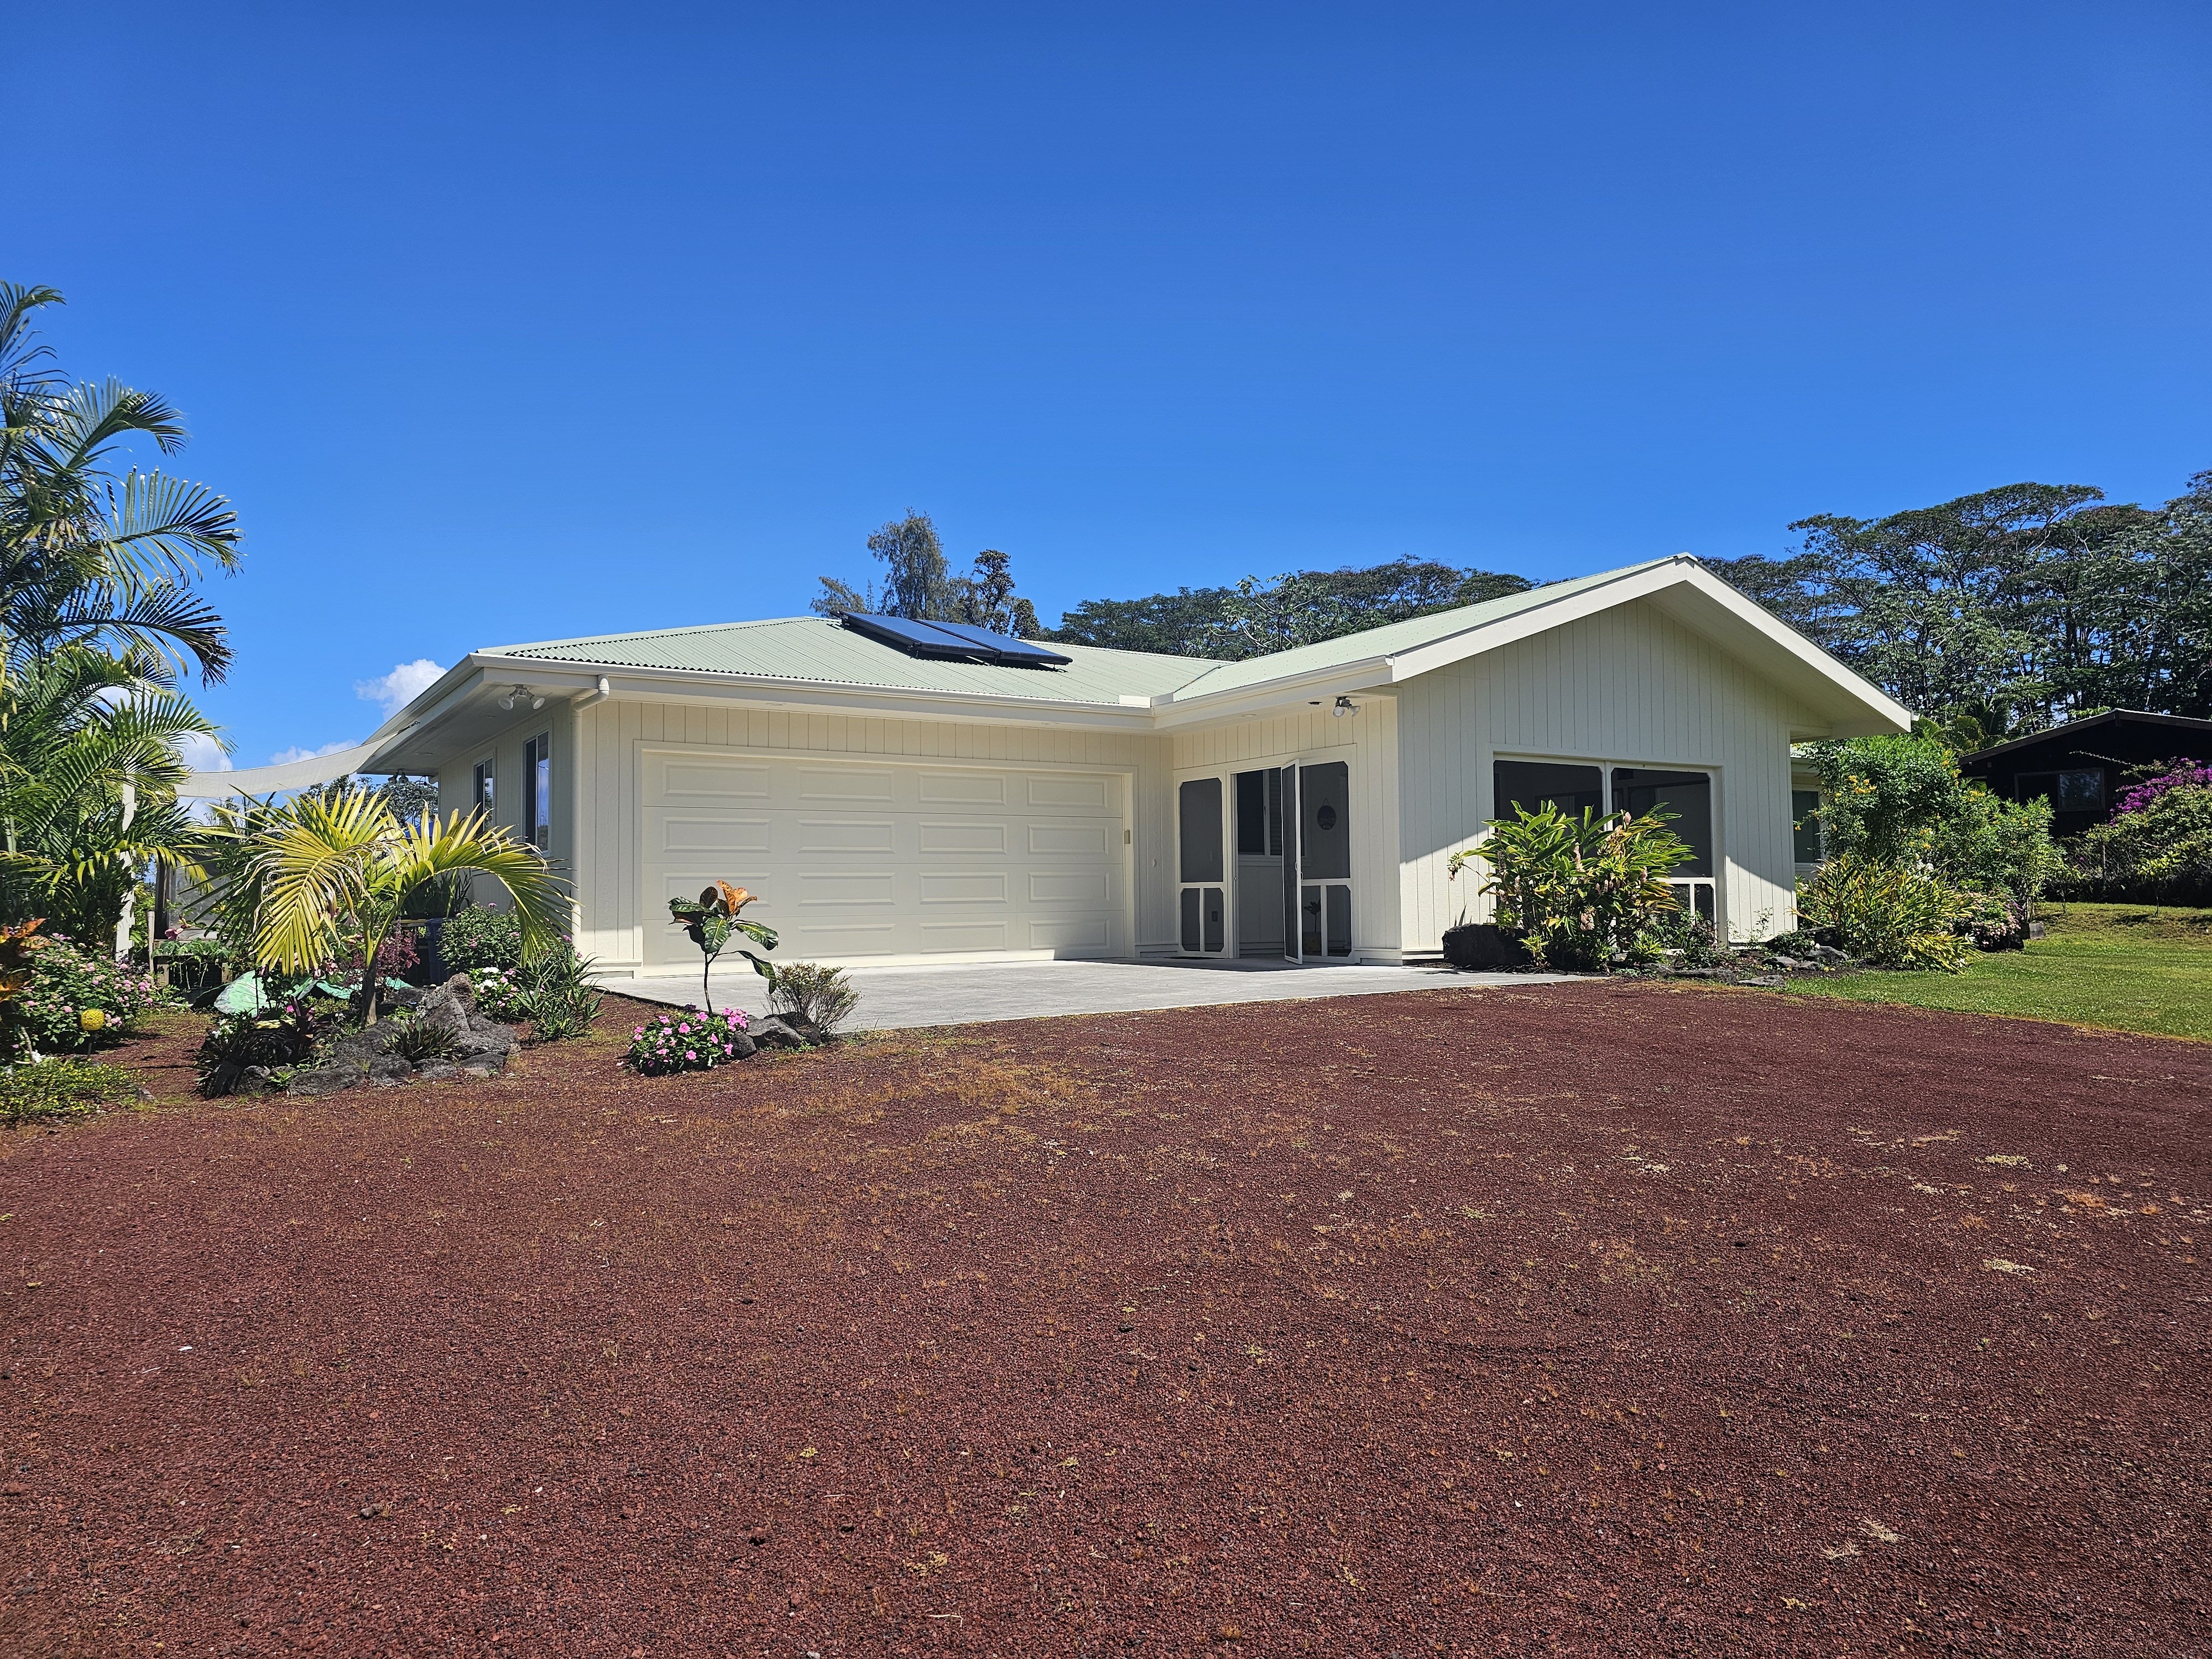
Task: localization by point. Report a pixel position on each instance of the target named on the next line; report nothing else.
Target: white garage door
(859, 861)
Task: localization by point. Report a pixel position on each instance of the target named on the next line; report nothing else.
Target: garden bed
(1645, 1317)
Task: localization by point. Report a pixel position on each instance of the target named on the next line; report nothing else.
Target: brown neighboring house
(2078, 767)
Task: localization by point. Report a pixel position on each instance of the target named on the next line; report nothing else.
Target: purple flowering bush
(687, 1041)
(2184, 774)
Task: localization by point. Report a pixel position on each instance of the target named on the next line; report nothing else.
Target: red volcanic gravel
(1598, 1319)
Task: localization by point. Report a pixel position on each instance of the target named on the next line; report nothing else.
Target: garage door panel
(961, 788)
(687, 834)
(963, 936)
(1086, 888)
(963, 887)
(1072, 838)
(939, 835)
(817, 783)
(1078, 794)
(846, 888)
(1073, 935)
(846, 836)
(882, 859)
(682, 783)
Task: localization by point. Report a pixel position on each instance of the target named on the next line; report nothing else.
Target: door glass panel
(1337, 907)
(1287, 800)
(1201, 801)
(1529, 784)
(1325, 822)
(1687, 795)
(1259, 837)
(1309, 920)
(1216, 911)
(1192, 938)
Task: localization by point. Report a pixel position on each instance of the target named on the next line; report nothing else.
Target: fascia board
(693, 685)
(1369, 677)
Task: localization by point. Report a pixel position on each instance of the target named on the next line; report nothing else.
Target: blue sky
(507, 323)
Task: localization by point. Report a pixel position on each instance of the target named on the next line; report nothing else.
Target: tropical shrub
(283, 1034)
(711, 921)
(2160, 853)
(1684, 937)
(418, 1039)
(1900, 800)
(815, 993)
(1579, 891)
(499, 993)
(2181, 775)
(480, 937)
(78, 998)
(559, 994)
(1893, 915)
(61, 1088)
(687, 1041)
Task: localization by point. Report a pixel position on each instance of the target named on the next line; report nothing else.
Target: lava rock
(324, 1080)
(769, 1032)
(807, 1029)
(1484, 945)
(1769, 982)
(437, 1071)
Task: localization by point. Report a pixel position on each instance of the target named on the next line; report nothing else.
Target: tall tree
(2011, 608)
(87, 555)
(919, 583)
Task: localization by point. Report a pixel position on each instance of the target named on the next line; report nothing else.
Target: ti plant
(711, 921)
(18, 941)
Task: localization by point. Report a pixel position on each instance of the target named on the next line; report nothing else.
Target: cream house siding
(457, 779)
(608, 792)
(1369, 740)
(1627, 685)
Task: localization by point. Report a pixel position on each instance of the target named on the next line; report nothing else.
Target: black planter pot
(430, 967)
(1482, 945)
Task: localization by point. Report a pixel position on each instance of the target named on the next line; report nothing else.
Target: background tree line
(1993, 615)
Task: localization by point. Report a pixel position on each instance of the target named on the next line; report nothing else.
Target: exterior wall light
(1344, 706)
(521, 694)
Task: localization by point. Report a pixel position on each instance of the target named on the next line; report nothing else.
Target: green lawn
(2123, 967)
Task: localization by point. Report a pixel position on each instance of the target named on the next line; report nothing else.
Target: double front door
(1265, 863)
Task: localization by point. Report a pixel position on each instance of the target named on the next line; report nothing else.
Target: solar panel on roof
(952, 641)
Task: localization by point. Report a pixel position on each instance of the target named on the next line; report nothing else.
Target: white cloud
(202, 753)
(395, 690)
(286, 757)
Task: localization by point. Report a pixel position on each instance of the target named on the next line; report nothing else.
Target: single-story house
(2079, 768)
(899, 793)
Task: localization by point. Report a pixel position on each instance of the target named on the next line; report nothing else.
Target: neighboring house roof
(817, 650)
(2072, 729)
(815, 662)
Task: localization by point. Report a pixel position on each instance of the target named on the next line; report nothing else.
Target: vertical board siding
(1628, 686)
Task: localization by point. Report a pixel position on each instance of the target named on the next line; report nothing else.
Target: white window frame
(1715, 884)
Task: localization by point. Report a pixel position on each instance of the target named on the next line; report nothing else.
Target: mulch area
(1593, 1318)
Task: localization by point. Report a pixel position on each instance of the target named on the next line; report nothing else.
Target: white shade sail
(277, 779)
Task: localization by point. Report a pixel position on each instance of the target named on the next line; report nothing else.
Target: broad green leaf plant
(711, 921)
(1579, 891)
(310, 877)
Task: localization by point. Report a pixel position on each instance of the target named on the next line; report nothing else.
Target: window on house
(487, 777)
(1804, 808)
(2079, 791)
(537, 786)
(1687, 797)
(1530, 784)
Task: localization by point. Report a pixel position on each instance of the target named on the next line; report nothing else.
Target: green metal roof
(819, 650)
(1390, 639)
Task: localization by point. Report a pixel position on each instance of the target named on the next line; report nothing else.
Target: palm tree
(320, 875)
(88, 774)
(87, 556)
